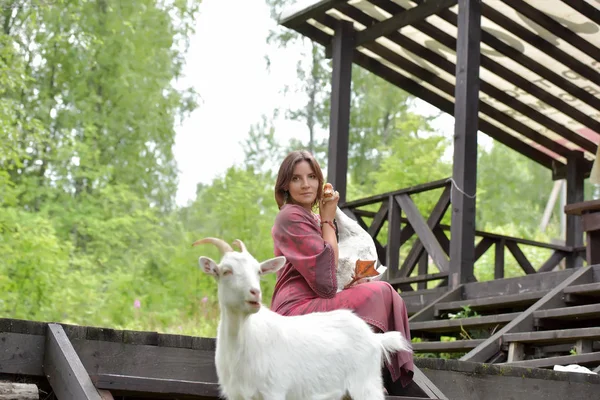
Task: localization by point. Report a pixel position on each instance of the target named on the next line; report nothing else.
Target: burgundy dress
(307, 283)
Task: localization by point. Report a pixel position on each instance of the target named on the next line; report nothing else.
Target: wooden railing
(432, 241)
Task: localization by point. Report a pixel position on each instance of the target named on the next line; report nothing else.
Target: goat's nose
(255, 292)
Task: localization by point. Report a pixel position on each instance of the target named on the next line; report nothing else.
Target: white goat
(262, 355)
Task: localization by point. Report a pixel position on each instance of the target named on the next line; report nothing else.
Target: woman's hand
(329, 202)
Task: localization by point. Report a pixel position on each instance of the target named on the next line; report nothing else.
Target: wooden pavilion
(526, 73)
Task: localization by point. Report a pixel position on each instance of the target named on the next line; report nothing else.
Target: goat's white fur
(354, 244)
(262, 355)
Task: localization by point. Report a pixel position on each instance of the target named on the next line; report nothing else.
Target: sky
(227, 67)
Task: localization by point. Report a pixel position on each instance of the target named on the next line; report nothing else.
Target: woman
(307, 283)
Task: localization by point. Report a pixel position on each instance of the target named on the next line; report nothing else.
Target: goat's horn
(238, 243)
(221, 244)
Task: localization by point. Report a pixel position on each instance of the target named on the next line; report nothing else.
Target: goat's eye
(227, 272)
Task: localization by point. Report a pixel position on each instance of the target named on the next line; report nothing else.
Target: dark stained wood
(393, 240)
(487, 303)
(418, 278)
(21, 353)
(416, 301)
(588, 311)
(483, 246)
(520, 257)
(496, 93)
(590, 289)
(575, 193)
(430, 390)
(554, 336)
(464, 172)
(510, 286)
(540, 43)
(524, 321)
(63, 368)
(408, 17)
(446, 346)
(585, 9)
(425, 234)
(427, 313)
(554, 259)
(499, 259)
(424, 187)
(456, 325)
(145, 385)
(339, 120)
(379, 220)
(581, 359)
(298, 18)
(558, 29)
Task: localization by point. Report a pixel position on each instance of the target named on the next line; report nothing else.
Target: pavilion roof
(540, 63)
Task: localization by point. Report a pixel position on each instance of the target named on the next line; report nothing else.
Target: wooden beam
(425, 234)
(293, 17)
(557, 29)
(524, 321)
(392, 257)
(464, 172)
(514, 54)
(575, 194)
(541, 44)
(405, 18)
(339, 120)
(63, 368)
(585, 9)
(520, 257)
(500, 95)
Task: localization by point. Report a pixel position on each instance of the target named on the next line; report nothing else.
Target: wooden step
(554, 336)
(486, 303)
(455, 325)
(586, 312)
(580, 293)
(454, 346)
(588, 359)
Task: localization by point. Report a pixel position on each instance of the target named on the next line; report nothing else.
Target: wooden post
(342, 48)
(464, 172)
(575, 181)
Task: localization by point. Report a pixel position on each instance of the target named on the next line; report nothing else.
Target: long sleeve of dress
(297, 236)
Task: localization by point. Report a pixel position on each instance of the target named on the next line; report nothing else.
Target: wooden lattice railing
(403, 219)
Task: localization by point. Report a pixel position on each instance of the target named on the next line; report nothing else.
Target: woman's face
(304, 185)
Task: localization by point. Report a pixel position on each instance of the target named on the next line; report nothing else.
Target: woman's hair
(286, 172)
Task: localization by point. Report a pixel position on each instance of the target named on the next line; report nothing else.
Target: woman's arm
(297, 235)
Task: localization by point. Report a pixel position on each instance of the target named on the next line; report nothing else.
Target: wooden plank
(581, 359)
(144, 385)
(392, 257)
(483, 246)
(487, 303)
(379, 219)
(520, 257)
(424, 232)
(293, 17)
(521, 284)
(455, 325)
(339, 117)
(589, 289)
(588, 311)
(21, 354)
(431, 391)
(575, 187)
(405, 18)
(63, 368)
(552, 261)
(499, 262)
(524, 321)
(18, 391)
(428, 313)
(446, 346)
(419, 278)
(553, 336)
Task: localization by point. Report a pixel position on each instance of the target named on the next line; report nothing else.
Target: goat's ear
(208, 266)
(272, 265)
